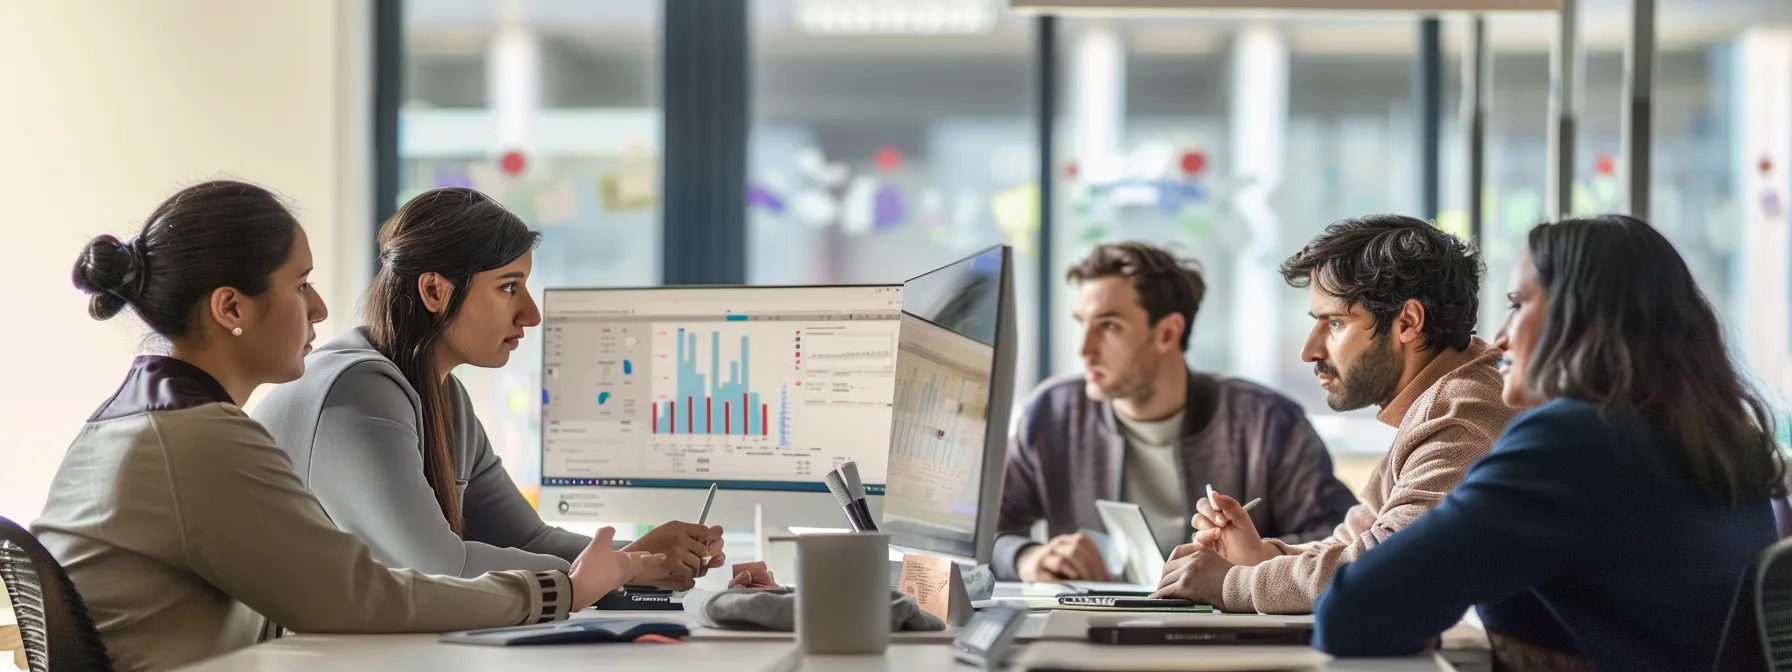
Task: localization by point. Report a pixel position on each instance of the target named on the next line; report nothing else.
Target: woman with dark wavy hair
(385, 435)
(1611, 523)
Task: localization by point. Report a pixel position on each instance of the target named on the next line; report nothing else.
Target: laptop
(1132, 538)
(1129, 537)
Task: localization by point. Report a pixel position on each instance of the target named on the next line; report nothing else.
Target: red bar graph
(763, 425)
(690, 417)
(727, 419)
(746, 423)
(709, 412)
(672, 418)
(656, 416)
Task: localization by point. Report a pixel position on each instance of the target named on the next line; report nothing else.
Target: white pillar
(1259, 128)
(1100, 103)
(513, 80)
(1763, 104)
(1098, 121)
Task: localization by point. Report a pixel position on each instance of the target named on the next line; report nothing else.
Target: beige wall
(107, 107)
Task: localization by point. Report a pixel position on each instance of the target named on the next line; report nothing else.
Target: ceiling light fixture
(896, 17)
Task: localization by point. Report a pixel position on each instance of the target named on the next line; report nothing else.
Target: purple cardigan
(1245, 439)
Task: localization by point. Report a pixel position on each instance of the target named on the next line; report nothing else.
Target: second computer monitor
(954, 380)
(651, 395)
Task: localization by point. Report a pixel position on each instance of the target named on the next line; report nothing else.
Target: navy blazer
(1579, 533)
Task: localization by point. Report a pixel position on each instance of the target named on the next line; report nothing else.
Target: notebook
(578, 631)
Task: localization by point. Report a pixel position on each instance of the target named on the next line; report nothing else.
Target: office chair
(1758, 635)
(58, 632)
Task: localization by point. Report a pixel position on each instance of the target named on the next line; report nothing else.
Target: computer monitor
(954, 377)
(651, 395)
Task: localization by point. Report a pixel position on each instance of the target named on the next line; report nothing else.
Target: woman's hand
(601, 568)
(752, 575)
(690, 550)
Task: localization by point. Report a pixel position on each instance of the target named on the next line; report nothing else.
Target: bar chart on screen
(706, 386)
(747, 387)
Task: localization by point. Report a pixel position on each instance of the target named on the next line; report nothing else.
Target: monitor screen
(948, 360)
(752, 388)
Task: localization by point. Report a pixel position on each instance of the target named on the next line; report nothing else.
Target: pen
(1216, 505)
(711, 499)
(1247, 507)
(703, 519)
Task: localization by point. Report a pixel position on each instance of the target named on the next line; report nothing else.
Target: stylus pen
(1216, 505)
(703, 518)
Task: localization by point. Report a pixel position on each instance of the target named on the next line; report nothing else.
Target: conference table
(1049, 639)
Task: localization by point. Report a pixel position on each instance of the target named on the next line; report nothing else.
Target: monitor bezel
(995, 440)
(541, 444)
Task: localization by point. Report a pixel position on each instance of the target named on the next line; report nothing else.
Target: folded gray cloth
(775, 609)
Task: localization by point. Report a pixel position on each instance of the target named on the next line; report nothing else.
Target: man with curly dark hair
(1139, 425)
(1393, 301)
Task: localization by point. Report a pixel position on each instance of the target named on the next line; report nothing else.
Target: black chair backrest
(1758, 635)
(59, 633)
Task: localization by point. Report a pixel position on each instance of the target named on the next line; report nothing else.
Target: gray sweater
(1245, 439)
(353, 424)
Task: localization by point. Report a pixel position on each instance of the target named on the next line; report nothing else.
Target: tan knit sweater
(1448, 417)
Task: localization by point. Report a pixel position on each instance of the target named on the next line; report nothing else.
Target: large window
(552, 107)
(1704, 197)
(885, 145)
(888, 138)
(1237, 141)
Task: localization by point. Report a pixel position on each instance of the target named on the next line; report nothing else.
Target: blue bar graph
(704, 404)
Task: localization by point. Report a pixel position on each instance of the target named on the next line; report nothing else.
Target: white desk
(707, 649)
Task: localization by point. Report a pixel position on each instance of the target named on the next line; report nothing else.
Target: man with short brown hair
(1138, 425)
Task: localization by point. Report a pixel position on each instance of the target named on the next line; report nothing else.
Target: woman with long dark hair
(388, 439)
(186, 531)
(1612, 521)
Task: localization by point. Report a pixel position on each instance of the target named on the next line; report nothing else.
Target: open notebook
(576, 631)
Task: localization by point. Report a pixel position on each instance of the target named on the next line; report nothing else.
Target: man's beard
(1372, 379)
(1135, 387)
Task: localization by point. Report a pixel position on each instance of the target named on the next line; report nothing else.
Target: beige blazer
(187, 534)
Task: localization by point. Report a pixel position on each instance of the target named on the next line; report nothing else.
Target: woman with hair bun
(185, 530)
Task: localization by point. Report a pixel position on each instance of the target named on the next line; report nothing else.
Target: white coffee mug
(842, 592)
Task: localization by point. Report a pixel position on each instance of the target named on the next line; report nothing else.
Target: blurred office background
(881, 138)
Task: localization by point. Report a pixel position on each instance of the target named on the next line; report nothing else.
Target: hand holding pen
(689, 550)
(1223, 526)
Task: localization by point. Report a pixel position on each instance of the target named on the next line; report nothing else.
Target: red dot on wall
(1766, 165)
(888, 158)
(1070, 170)
(513, 163)
(1604, 164)
(1193, 163)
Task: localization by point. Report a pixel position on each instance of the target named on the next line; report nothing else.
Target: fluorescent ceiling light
(896, 17)
(1120, 7)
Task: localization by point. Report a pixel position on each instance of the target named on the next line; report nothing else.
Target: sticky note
(929, 580)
